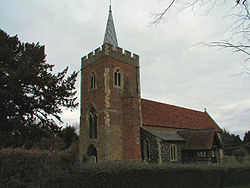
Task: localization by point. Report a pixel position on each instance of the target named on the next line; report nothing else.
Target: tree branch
(159, 16)
(226, 44)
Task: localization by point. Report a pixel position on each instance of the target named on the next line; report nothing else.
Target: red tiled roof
(165, 115)
(198, 140)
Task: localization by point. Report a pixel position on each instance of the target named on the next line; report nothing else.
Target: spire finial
(110, 6)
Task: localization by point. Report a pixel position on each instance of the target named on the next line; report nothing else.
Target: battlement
(109, 50)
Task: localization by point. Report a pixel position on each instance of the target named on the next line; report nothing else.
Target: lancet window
(92, 121)
(92, 81)
(118, 78)
(173, 152)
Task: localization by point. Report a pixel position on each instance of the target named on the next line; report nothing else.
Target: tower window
(117, 78)
(173, 152)
(92, 81)
(92, 121)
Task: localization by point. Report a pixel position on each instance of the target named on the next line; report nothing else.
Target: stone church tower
(110, 102)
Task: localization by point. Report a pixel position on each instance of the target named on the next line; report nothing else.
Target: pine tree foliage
(247, 137)
(233, 145)
(31, 95)
(68, 135)
(247, 141)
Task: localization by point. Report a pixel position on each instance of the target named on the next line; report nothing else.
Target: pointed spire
(110, 34)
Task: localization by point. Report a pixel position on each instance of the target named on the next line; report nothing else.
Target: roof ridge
(162, 126)
(185, 108)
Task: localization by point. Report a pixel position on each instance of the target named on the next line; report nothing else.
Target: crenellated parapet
(109, 50)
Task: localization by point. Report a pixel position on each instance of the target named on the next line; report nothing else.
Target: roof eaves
(173, 136)
(213, 120)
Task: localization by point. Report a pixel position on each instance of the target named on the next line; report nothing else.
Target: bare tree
(239, 28)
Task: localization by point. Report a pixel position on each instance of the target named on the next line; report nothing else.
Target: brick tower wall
(131, 129)
(96, 98)
(114, 105)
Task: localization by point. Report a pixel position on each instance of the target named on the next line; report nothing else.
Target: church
(116, 124)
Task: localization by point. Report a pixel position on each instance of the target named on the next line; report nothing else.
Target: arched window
(92, 81)
(173, 152)
(92, 121)
(146, 150)
(118, 78)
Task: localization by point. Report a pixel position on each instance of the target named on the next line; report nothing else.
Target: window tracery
(117, 78)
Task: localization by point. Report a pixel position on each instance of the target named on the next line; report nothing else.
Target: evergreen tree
(68, 135)
(31, 96)
(247, 141)
(231, 142)
(247, 137)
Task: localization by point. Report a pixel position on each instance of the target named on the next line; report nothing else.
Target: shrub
(141, 175)
(30, 168)
(36, 168)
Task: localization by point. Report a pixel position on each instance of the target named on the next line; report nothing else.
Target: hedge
(22, 168)
(140, 175)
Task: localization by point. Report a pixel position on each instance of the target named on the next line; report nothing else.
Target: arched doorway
(92, 154)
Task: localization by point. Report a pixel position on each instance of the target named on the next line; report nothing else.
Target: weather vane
(110, 5)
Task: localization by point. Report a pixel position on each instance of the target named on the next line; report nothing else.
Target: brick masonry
(118, 108)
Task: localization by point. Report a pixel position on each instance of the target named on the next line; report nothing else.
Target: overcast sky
(173, 69)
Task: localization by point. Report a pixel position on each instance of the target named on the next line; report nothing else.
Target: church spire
(110, 35)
